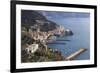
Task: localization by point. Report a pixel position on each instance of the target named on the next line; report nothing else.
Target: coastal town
(41, 38)
(36, 33)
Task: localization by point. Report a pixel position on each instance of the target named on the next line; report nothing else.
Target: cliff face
(35, 19)
(29, 18)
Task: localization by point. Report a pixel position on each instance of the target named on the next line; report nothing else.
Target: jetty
(75, 54)
(63, 40)
(57, 43)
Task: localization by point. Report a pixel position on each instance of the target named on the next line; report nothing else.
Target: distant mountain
(29, 18)
(60, 15)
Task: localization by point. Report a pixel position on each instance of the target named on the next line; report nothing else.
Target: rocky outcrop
(68, 32)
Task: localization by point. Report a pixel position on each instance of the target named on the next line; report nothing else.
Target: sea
(80, 26)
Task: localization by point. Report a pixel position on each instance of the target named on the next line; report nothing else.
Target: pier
(75, 54)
